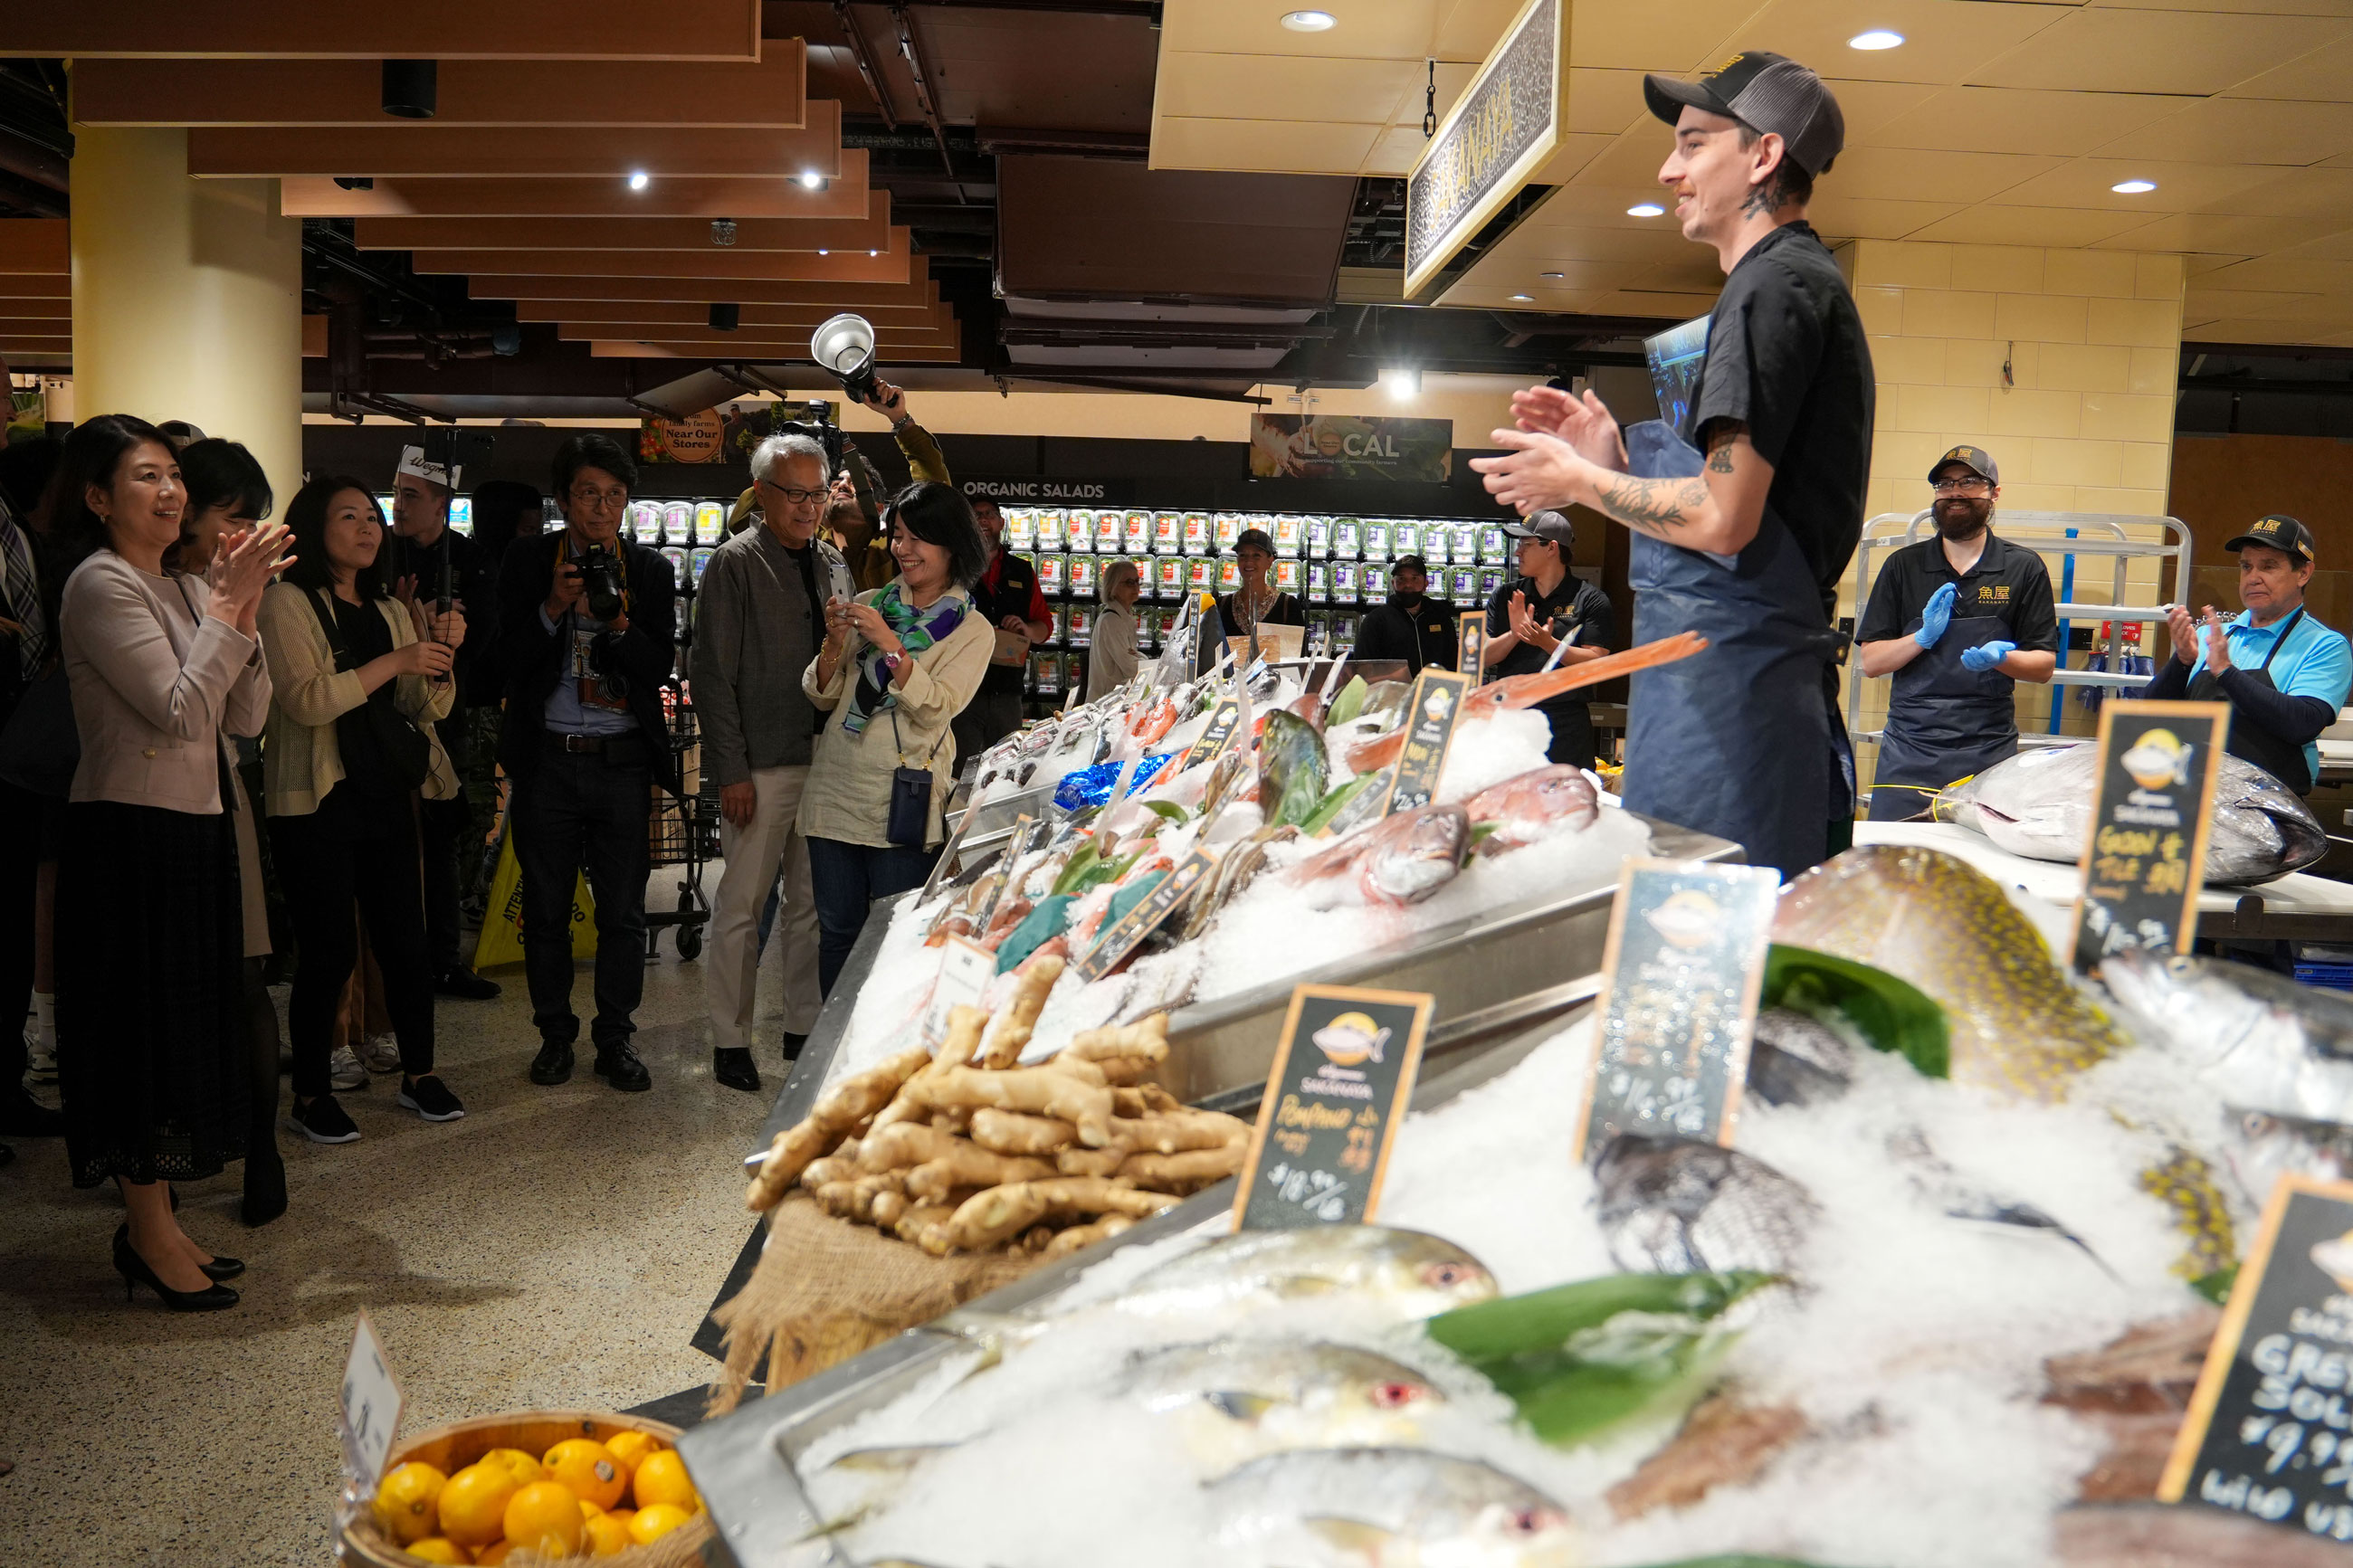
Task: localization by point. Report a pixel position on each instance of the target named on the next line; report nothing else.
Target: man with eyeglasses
(759, 620)
(586, 636)
(1959, 620)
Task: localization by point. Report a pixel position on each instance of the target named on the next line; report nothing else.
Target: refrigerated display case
(1021, 528)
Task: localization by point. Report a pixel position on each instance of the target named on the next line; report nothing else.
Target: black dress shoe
(617, 1065)
(264, 1185)
(21, 1116)
(733, 1067)
(793, 1044)
(552, 1064)
(134, 1271)
(220, 1269)
(466, 986)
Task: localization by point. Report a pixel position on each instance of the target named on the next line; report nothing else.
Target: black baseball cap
(1976, 459)
(2280, 532)
(1549, 526)
(1764, 92)
(1410, 564)
(1254, 539)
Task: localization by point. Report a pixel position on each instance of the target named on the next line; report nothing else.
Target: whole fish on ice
(1386, 1507)
(1401, 859)
(1535, 805)
(1796, 1059)
(1680, 1205)
(2259, 1040)
(2038, 804)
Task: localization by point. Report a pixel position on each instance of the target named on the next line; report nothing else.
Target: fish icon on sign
(1351, 1039)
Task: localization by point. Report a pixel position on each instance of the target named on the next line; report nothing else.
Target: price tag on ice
(1680, 977)
(1430, 719)
(966, 970)
(2144, 857)
(2269, 1429)
(1223, 721)
(1119, 938)
(1342, 1076)
(1474, 628)
(371, 1405)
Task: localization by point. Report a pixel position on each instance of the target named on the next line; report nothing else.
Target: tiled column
(2062, 363)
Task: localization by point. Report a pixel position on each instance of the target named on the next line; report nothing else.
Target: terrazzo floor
(557, 1248)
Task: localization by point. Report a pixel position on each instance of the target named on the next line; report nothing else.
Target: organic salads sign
(2145, 858)
(1342, 1077)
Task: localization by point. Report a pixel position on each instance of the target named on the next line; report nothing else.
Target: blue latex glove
(1937, 616)
(1985, 656)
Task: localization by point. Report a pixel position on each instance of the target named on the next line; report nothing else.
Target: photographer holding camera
(588, 622)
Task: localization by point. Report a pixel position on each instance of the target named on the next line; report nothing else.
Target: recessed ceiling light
(2133, 188)
(1309, 21)
(637, 182)
(873, 253)
(1523, 297)
(1552, 274)
(822, 251)
(1645, 209)
(811, 180)
(1877, 38)
(1404, 382)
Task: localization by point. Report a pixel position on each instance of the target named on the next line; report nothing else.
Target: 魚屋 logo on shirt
(1993, 593)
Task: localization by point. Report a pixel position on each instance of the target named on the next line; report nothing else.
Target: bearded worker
(1959, 620)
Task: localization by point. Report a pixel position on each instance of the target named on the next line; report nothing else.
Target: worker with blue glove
(1959, 620)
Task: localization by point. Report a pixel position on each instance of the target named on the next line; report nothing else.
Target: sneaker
(430, 1099)
(552, 1064)
(380, 1053)
(617, 1065)
(322, 1121)
(344, 1069)
(465, 986)
(41, 1060)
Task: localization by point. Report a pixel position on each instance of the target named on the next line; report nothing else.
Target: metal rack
(2061, 533)
(683, 832)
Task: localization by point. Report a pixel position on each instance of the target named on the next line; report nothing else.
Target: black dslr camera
(817, 424)
(600, 575)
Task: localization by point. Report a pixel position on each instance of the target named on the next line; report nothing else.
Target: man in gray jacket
(759, 617)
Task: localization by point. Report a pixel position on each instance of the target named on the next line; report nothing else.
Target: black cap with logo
(1410, 564)
(2280, 532)
(1765, 92)
(1976, 459)
(1549, 526)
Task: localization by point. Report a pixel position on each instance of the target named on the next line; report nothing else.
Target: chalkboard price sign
(1474, 628)
(1429, 720)
(1222, 719)
(1342, 1076)
(1120, 938)
(1680, 977)
(2144, 859)
(2270, 1428)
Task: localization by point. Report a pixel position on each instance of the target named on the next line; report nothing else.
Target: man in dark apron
(1959, 620)
(2284, 674)
(1745, 517)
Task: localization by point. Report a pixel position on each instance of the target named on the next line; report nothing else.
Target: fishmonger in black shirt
(1545, 617)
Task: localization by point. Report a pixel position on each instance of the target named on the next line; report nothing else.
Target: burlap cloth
(825, 1289)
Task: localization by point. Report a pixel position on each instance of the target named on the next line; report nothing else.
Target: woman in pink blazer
(149, 934)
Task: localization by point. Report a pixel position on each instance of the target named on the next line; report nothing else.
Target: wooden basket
(453, 1447)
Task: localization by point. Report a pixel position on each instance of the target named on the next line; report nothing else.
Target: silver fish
(1413, 854)
(1364, 1507)
(2260, 1148)
(1678, 1206)
(2261, 1041)
(1794, 1059)
(2038, 804)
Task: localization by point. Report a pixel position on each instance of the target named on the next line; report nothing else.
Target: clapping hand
(1536, 471)
(1525, 625)
(1986, 655)
(2218, 642)
(1937, 616)
(2183, 626)
(241, 568)
(1581, 421)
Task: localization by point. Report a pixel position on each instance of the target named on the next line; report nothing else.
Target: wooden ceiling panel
(2323, 76)
(1863, 218)
(1995, 223)
(1678, 38)
(758, 234)
(1945, 41)
(887, 336)
(2094, 49)
(834, 296)
(2014, 120)
(15, 286)
(13, 326)
(634, 314)
(2209, 231)
(766, 94)
(748, 351)
(2084, 184)
(1261, 146)
(33, 244)
(893, 265)
(605, 196)
(1884, 174)
(59, 308)
(1269, 87)
(2242, 130)
(1367, 29)
(413, 29)
(426, 150)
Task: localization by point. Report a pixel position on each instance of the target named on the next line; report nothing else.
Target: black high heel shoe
(219, 1269)
(135, 1272)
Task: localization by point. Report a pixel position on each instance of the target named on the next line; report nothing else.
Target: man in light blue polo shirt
(2284, 674)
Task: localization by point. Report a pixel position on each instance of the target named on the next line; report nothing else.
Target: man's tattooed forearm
(1652, 506)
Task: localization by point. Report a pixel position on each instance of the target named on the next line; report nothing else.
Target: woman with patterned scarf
(898, 664)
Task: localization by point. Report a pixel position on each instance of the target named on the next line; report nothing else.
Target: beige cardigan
(301, 758)
(848, 795)
(154, 683)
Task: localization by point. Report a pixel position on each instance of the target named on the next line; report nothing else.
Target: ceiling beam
(920, 291)
(872, 232)
(15, 286)
(604, 196)
(766, 94)
(431, 151)
(13, 327)
(639, 315)
(19, 311)
(414, 29)
(719, 347)
(33, 244)
(894, 266)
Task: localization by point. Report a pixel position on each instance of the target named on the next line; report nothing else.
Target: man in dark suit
(586, 635)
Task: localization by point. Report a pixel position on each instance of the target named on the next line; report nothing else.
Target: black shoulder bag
(909, 824)
(402, 742)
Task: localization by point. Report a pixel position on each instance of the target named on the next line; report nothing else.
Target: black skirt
(151, 1036)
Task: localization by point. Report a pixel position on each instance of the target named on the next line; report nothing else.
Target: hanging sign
(1342, 1077)
(696, 438)
(1498, 134)
(2144, 857)
(1429, 719)
(1681, 973)
(1349, 446)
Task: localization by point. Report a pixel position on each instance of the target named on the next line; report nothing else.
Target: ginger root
(1014, 1132)
(1147, 1038)
(1043, 1091)
(1000, 1213)
(1104, 1162)
(1124, 1071)
(835, 1114)
(970, 1165)
(1175, 1132)
(1186, 1172)
(889, 1207)
(832, 1168)
(1077, 1237)
(902, 1145)
(1033, 981)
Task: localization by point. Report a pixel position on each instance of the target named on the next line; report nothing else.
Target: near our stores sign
(1498, 134)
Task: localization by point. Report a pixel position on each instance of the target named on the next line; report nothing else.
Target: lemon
(437, 1549)
(405, 1501)
(474, 1503)
(630, 1449)
(607, 1536)
(545, 1518)
(589, 1510)
(496, 1551)
(655, 1521)
(592, 1473)
(662, 1479)
(525, 1469)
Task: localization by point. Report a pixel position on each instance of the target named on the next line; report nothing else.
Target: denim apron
(1944, 720)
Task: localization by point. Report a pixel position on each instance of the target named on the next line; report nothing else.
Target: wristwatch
(892, 661)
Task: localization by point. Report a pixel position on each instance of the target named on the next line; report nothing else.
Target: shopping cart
(682, 830)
